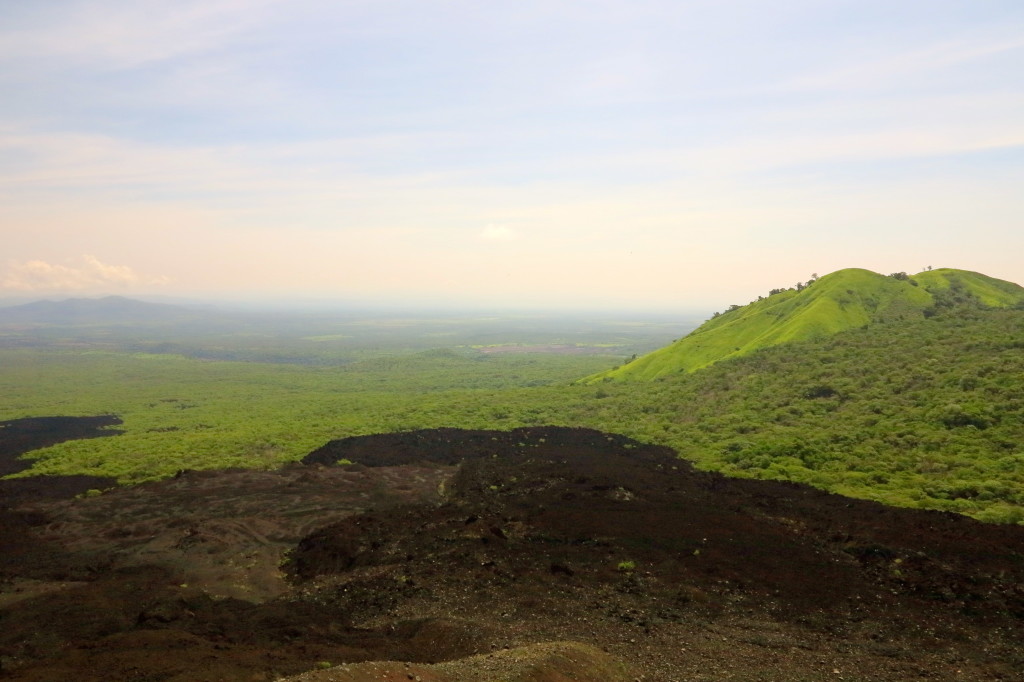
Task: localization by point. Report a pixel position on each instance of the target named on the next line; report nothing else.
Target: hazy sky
(654, 153)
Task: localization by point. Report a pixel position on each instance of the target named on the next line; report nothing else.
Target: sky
(648, 154)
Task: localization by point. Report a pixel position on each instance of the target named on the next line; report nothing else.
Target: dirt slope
(545, 662)
(452, 549)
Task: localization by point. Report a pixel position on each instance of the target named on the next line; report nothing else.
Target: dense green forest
(926, 413)
(184, 412)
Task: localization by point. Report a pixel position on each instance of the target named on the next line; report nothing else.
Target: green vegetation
(187, 413)
(968, 286)
(923, 410)
(927, 414)
(823, 307)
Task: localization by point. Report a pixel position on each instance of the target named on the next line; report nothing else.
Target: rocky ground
(541, 555)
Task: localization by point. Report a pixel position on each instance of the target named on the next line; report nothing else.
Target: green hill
(924, 413)
(982, 289)
(842, 300)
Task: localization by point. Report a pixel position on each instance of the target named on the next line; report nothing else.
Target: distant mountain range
(839, 301)
(111, 310)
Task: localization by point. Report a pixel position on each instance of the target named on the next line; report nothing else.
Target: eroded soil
(537, 554)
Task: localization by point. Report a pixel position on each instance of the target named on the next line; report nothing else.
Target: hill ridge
(838, 301)
(103, 310)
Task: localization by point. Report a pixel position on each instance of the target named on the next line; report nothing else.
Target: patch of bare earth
(534, 555)
(544, 662)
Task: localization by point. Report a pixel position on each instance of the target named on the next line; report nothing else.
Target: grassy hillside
(927, 413)
(985, 290)
(843, 300)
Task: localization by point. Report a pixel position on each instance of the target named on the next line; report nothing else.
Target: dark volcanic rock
(444, 544)
(35, 488)
(19, 436)
(599, 529)
(452, 446)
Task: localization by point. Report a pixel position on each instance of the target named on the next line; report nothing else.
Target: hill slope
(842, 300)
(438, 545)
(926, 413)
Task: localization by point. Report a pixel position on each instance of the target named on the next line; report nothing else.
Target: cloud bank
(87, 273)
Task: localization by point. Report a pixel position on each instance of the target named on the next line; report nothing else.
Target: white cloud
(499, 233)
(88, 272)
